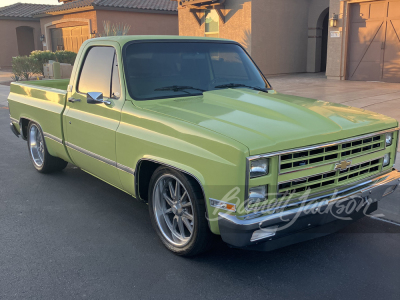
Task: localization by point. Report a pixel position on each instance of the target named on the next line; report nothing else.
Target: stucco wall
(280, 33)
(8, 38)
(237, 25)
(141, 23)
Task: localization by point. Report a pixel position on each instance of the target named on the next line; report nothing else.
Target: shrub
(115, 29)
(24, 66)
(42, 57)
(67, 57)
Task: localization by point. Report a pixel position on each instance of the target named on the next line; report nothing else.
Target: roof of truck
(128, 38)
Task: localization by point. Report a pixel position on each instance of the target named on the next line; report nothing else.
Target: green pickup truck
(193, 128)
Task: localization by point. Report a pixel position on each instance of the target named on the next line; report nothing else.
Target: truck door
(90, 128)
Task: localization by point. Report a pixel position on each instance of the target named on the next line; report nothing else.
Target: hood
(268, 122)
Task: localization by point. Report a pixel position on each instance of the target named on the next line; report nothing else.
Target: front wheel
(41, 159)
(178, 213)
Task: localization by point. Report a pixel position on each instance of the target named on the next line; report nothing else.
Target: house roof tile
(161, 5)
(23, 10)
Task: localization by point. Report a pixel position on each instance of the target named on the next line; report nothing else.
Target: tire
(170, 218)
(41, 159)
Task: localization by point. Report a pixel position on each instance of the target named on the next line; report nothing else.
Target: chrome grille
(300, 160)
(319, 182)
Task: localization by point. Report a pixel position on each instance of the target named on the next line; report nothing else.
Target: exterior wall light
(333, 21)
(93, 34)
(42, 38)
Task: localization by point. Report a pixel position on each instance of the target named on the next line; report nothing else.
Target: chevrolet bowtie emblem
(343, 165)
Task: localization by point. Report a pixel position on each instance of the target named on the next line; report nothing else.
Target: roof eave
(140, 10)
(64, 12)
(19, 18)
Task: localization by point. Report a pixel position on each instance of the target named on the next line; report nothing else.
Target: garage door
(374, 41)
(69, 38)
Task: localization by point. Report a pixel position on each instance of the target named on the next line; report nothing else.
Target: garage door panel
(378, 10)
(368, 71)
(69, 38)
(394, 10)
(373, 51)
(391, 71)
(359, 12)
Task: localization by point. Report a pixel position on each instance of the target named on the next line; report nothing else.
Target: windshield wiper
(237, 85)
(179, 88)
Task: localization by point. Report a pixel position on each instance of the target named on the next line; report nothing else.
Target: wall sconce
(93, 34)
(42, 38)
(333, 22)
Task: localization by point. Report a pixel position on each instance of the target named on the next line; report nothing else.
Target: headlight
(257, 194)
(258, 167)
(386, 160)
(389, 139)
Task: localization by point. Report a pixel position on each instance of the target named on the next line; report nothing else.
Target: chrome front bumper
(314, 218)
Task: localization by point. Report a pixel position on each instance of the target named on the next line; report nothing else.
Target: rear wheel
(41, 159)
(178, 214)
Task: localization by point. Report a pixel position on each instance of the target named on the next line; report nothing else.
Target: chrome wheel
(36, 145)
(173, 210)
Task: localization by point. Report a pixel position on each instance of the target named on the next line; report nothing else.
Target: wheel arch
(146, 167)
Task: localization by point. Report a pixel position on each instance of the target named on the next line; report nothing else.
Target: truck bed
(41, 101)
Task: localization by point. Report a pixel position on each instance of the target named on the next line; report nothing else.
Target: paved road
(71, 236)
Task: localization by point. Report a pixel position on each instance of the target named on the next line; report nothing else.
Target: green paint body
(207, 136)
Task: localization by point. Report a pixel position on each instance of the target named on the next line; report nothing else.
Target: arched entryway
(324, 38)
(25, 40)
(318, 22)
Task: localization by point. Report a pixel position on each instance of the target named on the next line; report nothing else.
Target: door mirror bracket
(96, 98)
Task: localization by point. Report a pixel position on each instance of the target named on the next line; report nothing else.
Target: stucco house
(27, 27)
(66, 26)
(347, 39)
(19, 30)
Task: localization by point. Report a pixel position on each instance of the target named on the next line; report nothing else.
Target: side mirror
(96, 98)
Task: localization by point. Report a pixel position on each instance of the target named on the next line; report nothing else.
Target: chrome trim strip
(126, 169)
(91, 154)
(101, 158)
(320, 145)
(376, 182)
(14, 120)
(52, 137)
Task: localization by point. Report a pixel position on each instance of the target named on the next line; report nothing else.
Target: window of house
(212, 23)
(97, 71)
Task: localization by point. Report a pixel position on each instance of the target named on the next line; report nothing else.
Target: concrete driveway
(378, 97)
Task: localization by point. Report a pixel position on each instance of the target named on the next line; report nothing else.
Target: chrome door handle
(73, 100)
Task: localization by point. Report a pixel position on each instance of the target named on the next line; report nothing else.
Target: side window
(115, 84)
(96, 72)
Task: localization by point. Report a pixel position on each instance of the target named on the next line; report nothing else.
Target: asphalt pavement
(71, 236)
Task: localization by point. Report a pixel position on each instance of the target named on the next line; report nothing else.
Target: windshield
(171, 69)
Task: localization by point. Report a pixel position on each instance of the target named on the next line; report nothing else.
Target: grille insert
(321, 181)
(304, 159)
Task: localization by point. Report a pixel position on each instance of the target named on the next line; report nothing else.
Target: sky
(9, 2)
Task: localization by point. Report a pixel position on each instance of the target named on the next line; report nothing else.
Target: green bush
(24, 67)
(42, 57)
(67, 57)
